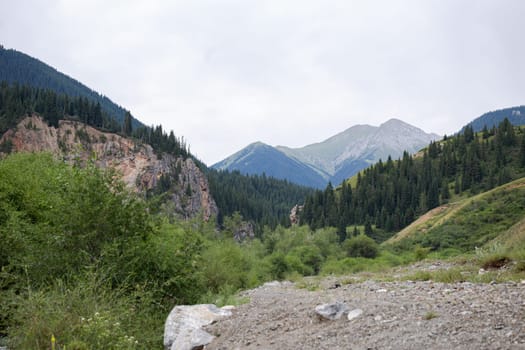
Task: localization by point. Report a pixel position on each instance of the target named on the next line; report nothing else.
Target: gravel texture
(395, 315)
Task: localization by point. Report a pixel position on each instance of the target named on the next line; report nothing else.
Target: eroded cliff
(141, 169)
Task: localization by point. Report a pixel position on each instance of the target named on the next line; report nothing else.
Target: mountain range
(332, 160)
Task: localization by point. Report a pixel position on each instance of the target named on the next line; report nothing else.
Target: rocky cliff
(141, 169)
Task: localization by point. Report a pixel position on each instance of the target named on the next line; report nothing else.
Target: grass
(471, 221)
(430, 315)
(226, 296)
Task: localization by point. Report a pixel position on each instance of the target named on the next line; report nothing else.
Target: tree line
(391, 194)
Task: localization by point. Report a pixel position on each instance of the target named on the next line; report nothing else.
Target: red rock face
(138, 165)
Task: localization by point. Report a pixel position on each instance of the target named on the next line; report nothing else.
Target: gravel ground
(396, 315)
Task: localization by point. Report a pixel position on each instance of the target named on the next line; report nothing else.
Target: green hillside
(472, 222)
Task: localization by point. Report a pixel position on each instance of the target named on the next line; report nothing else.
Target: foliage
(361, 246)
(61, 223)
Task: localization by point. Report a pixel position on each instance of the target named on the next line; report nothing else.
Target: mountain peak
(333, 159)
(257, 144)
(394, 121)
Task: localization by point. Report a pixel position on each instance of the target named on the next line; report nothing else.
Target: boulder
(183, 328)
(331, 311)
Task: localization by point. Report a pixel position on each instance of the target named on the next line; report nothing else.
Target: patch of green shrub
(361, 246)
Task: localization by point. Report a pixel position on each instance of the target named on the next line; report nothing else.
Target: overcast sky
(225, 73)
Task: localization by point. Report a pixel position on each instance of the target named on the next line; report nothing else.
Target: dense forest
(17, 67)
(391, 194)
(264, 200)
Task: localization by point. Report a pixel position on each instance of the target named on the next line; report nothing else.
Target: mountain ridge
(516, 116)
(334, 159)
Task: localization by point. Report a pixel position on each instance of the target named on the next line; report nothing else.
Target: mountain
(17, 67)
(516, 115)
(344, 154)
(259, 158)
(334, 159)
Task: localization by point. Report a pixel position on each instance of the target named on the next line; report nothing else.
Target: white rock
(354, 314)
(183, 327)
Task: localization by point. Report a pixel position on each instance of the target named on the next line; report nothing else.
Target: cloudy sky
(225, 73)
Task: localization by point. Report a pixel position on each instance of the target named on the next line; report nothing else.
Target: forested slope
(17, 67)
(391, 194)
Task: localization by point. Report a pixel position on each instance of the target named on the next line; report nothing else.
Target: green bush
(361, 246)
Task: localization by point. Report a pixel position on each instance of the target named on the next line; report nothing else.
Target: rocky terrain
(141, 169)
(386, 315)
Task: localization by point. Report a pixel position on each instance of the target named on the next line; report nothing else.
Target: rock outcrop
(294, 214)
(244, 231)
(141, 169)
(183, 327)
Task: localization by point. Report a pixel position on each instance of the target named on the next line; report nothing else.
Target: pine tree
(127, 127)
(522, 151)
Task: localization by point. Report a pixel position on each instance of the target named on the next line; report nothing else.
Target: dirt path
(396, 315)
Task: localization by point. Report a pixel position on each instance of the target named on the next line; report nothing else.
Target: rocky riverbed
(395, 315)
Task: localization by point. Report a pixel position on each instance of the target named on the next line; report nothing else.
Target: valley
(107, 224)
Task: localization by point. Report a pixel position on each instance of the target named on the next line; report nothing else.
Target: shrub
(88, 313)
(420, 252)
(361, 246)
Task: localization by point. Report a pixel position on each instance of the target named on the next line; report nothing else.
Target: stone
(354, 314)
(331, 311)
(183, 327)
(294, 214)
(245, 230)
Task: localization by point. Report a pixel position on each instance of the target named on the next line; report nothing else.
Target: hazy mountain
(258, 158)
(334, 159)
(516, 116)
(17, 67)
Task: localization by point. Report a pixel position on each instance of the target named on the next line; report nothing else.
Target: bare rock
(294, 214)
(331, 311)
(183, 327)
